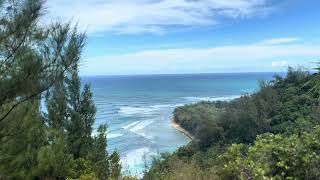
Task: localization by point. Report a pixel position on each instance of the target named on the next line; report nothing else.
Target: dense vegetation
(46, 117)
(270, 134)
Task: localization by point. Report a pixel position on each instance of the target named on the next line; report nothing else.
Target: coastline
(180, 129)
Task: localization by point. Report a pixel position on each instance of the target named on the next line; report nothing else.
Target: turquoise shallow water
(138, 109)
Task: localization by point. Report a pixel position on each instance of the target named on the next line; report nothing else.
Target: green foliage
(274, 157)
(56, 103)
(191, 116)
(200, 120)
(99, 155)
(115, 166)
(53, 161)
(82, 113)
(89, 155)
(281, 106)
(233, 164)
(33, 58)
(37, 61)
(129, 178)
(90, 176)
(171, 167)
(80, 167)
(23, 136)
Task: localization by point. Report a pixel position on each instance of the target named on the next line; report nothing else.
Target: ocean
(138, 109)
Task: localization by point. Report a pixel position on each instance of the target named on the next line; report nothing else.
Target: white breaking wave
(135, 110)
(223, 98)
(145, 110)
(137, 127)
(135, 157)
(146, 136)
(134, 160)
(130, 125)
(115, 135)
(141, 125)
(160, 106)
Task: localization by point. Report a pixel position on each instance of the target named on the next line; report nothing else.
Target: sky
(127, 37)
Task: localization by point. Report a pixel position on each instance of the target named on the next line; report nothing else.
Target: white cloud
(276, 41)
(247, 57)
(151, 16)
(281, 64)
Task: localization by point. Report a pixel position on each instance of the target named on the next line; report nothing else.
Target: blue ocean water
(138, 109)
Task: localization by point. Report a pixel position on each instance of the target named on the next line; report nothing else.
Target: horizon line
(156, 74)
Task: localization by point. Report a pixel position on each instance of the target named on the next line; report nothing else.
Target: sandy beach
(181, 130)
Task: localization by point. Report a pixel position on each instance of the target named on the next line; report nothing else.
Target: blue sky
(193, 36)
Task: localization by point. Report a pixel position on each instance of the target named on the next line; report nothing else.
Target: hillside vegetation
(270, 134)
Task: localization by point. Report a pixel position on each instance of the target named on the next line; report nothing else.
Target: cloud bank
(152, 16)
(276, 64)
(248, 57)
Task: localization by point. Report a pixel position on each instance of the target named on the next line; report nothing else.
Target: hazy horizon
(204, 73)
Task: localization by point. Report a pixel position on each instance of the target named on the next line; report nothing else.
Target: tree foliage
(274, 157)
(52, 139)
(32, 58)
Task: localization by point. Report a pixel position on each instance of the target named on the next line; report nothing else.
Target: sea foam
(138, 126)
(115, 135)
(223, 98)
(130, 125)
(141, 125)
(135, 110)
(134, 160)
(143, 110)
(135, 156)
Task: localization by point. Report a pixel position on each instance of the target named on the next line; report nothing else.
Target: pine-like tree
(53, 161)
(115, 165)
(56, 105)
(32, 58)
(19, 145)
(99, 154)
(35, 61)
(82, 115)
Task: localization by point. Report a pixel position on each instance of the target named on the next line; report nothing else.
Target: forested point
(271, 134)
(46, 117)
